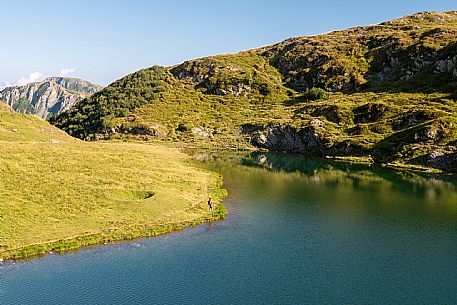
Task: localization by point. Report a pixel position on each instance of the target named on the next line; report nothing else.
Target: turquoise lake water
(299, 232)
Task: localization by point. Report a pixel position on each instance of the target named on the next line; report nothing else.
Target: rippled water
(299, 232)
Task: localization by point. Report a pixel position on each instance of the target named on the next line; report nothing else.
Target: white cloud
(33, 77)
(66, 71)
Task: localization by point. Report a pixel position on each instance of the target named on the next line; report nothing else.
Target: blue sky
(102, 41)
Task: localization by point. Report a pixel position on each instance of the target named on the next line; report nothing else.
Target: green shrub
(315, 94)
(96, 113)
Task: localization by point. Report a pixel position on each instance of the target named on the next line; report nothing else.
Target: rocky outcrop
(213, 78)
(357, 58)
(51, 96)
(445, 160)
(307, 140)
(203, 132)
(286, 138)
(448, 62)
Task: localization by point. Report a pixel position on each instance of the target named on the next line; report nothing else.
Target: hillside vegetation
(385, 93)
(15, 127)
(58, 193)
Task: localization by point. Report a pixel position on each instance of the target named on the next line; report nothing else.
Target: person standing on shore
(210, 204)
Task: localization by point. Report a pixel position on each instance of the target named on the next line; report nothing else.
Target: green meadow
(58, 193)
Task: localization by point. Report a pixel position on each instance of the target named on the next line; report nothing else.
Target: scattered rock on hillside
(203, 132)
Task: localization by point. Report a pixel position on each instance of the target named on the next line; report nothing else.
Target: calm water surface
(299, 232)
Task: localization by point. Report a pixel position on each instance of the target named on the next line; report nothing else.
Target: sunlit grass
(62, 195)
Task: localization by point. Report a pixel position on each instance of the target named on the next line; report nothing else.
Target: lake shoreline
(292, 222)
(156, 190)
(217, 192)
(78, 242)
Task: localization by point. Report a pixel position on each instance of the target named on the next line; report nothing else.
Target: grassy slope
(382, 66)
(15, 127)
(58, 193)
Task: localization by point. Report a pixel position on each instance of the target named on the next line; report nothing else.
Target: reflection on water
(299, 231)
(342, 178)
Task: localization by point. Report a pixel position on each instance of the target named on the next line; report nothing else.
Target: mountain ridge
(48, 97)
(384, 92)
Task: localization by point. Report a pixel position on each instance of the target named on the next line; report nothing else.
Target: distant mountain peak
(51, 96)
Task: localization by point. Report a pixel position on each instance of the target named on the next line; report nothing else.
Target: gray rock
(443, 159)
(51, 96)
(203, 132)
(447, 65)
(286, 138)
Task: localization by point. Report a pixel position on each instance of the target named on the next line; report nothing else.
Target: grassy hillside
(58, 193)
(383, 92)
(26, 128)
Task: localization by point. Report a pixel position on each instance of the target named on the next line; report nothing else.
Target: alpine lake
(299, 231)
